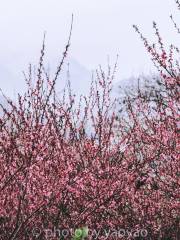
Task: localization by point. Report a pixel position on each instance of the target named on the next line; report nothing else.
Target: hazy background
(101, 28)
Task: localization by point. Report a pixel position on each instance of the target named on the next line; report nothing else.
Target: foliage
(81, 233)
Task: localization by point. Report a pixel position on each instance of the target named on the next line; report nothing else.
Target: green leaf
(80, 233)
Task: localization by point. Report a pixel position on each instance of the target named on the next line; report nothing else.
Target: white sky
(101, 28)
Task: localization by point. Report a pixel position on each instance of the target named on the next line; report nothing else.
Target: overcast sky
(101, 28)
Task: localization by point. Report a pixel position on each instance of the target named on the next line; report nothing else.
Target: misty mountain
(131, 84)
(79, 76)
(6, 78)
(13, 82)
(3, 103)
